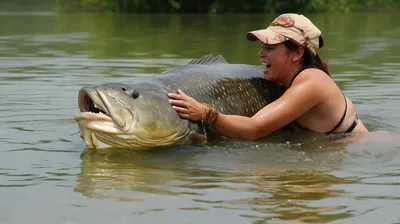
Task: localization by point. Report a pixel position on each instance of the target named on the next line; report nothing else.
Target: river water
(47, 175)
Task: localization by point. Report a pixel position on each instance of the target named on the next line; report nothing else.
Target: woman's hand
(186, 106)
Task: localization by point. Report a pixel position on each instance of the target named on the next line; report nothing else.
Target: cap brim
(267, 36)
(256, 35)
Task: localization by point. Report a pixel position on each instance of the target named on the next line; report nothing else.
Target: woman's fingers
(178, 103)
(182, 93)
(185, 116)
(187, 107)
(181, 110)
(174, 96)
(178, 96)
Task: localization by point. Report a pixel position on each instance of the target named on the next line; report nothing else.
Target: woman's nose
(261, 53)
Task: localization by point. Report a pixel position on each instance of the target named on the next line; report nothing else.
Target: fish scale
(222, 84)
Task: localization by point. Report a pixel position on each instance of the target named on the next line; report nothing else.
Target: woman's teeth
(266, 65)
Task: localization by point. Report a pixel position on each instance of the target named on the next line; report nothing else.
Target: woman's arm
(295, 102)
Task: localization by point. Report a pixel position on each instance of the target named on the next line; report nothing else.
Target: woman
(312, 100)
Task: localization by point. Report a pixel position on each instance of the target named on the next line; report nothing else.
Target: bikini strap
(302, 69)
(341, 120)
(351, 128)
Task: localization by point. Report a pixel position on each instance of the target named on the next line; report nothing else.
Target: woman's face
(278, 61)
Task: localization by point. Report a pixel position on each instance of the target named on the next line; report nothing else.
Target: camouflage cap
(290, 26)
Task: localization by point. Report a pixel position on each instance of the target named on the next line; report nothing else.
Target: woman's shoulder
(313, 76)
(314, 83)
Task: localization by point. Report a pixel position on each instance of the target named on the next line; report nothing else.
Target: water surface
(47, 175)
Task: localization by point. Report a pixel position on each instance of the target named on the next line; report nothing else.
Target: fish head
(137, 116)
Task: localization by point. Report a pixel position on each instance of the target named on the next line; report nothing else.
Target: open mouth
(266, 64)
(89, 101)
(96, 109)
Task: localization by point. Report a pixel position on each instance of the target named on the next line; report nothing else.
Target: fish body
(138, 115)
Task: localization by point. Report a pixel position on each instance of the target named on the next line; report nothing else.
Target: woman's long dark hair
(308, 58)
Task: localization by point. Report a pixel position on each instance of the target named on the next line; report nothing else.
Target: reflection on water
(45, 58)
(260, 183)
(257, 193)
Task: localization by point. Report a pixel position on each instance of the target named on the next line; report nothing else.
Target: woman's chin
(267, 75)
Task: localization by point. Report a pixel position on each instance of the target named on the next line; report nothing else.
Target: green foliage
(222, 6)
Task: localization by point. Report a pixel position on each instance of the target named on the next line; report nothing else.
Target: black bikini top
(350, 129)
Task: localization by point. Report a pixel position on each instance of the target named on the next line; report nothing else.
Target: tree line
(224, 6)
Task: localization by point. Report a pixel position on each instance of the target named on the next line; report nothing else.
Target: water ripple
(46, 58)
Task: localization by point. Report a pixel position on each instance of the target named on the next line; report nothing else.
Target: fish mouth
(96, 105)
(90, 101)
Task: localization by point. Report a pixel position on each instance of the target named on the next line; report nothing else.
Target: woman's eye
(268, 48)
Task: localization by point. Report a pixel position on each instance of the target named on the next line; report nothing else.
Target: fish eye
(135, 94)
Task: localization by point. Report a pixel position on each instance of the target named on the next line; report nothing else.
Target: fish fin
(209, 59)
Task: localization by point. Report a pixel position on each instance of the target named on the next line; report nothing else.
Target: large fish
(139, 116)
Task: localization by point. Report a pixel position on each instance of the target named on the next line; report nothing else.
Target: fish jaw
(86, 120)
(96, 122)
(100, 132)
(101, 108)
(90, 123)
(95, 119)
